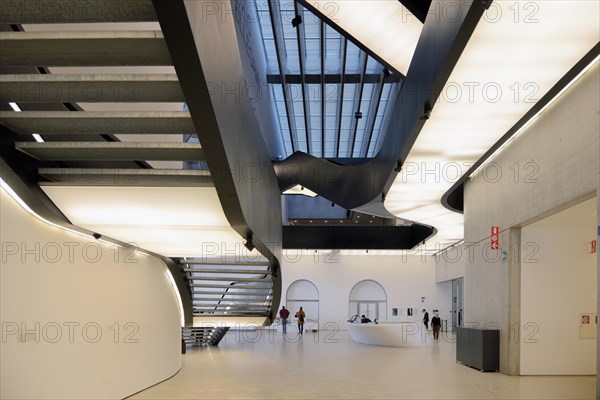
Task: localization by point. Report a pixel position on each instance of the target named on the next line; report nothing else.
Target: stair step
(229, 271)
(245, 300)
(203, 292)
(240, 287)
(228, 279)
(229, 264)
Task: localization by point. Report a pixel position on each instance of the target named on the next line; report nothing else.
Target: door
(457, 303)
(369, 309)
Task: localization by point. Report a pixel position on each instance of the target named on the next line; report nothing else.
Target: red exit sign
(494, 238)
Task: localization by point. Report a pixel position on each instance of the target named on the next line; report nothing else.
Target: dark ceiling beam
(332, 78)
(322, 52)
(75, 11)
(419, 8)
(80, 49)
(276, 22)
(357, 110)
(372, 115)
(354, 237)
(98, 122)
(301, 38)
(438, 50)
(75, 88)
(338, 124)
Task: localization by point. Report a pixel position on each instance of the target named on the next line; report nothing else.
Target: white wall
(552, 165)
(405, 279)
(558, 282)
(76, 292)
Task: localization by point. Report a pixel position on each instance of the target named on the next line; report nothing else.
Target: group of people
(436, 324)
(284, 314)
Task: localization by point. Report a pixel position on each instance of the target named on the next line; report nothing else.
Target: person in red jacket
(283, 315)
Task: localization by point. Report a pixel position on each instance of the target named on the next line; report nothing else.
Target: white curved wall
(79, 319)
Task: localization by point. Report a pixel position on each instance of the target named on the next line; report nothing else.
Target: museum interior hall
(299, 199)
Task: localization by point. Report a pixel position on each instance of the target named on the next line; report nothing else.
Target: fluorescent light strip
(177, 295)
(24, 205)
(16, 108)
(535, 116)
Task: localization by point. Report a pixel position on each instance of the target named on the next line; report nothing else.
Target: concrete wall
(80, 320)
(405, 280)
(550, 167)
(558, 283)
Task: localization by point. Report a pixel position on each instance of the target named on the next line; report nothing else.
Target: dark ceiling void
(354, 219)
(419, 8)
(438, 50)
(355, 237)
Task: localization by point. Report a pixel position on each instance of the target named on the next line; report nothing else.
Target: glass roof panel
(333, 43)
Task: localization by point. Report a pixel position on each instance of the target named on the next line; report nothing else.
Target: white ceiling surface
(531, 52)
(171, 221)
(385, 27)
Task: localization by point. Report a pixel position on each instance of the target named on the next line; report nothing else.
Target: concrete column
(598, 280)
(513, 345)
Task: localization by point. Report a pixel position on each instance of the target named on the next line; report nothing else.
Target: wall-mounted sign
(593, 246)
(494, 238)
(587, 325)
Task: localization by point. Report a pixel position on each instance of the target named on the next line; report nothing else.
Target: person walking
(284, 313)
(301, 316)
(426, 319)
(436, 324)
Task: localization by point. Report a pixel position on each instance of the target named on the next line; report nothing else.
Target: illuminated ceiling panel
(385, 27)
(172, 221)
(517, 53)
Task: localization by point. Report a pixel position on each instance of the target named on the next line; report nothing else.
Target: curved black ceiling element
(419, 8)
(354, 237)
(206, 52)
(453, 198)
(439, 48)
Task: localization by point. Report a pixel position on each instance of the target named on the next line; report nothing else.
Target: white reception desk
(392, 334)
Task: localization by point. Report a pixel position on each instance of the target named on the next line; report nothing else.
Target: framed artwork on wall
(587, 325)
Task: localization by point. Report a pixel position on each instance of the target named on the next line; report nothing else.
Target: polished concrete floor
(327, 365)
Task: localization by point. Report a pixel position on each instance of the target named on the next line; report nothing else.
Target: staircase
(207, 336)
(57, 76)
(227, 289)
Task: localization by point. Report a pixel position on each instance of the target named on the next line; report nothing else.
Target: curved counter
(391, 334)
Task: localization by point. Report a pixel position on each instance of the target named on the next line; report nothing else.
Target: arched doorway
(368, 297)
(303, 293)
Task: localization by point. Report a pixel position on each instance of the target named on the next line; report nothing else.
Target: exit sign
(494, 238)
